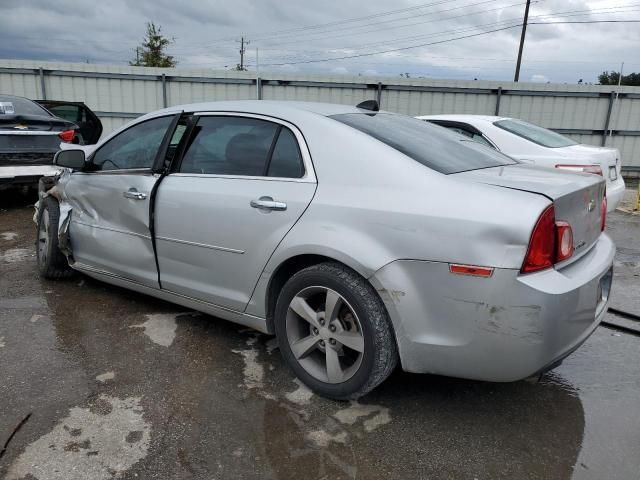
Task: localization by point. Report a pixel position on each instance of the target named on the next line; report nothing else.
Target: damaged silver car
(360, 238)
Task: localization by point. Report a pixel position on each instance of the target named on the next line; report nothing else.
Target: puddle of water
(15, 255)
(99, 442)
(350, 415)
(106, 376)
(253, 371)
(322, 438)
(160, 328)
(301, 396)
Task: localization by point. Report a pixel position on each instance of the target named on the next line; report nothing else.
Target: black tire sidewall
(309, 278)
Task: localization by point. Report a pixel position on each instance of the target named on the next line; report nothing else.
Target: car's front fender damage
(54, 187)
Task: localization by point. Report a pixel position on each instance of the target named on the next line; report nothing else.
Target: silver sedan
(361, 238)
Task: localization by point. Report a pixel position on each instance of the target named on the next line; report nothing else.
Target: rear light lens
(471, 270)
(603, 213)
(595, 169)
(564, 236)
(551, 242)
(67, 136)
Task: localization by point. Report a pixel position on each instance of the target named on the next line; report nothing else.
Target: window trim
(149, 170)
(309, 175)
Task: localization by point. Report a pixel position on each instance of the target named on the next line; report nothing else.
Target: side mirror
(70, 158)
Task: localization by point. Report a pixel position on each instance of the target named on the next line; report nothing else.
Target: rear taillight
(551, 242)
(595, 169)
(603, 213)
(67, 136)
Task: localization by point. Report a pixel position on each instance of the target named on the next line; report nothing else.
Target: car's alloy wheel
(334, 331)
(324, 334)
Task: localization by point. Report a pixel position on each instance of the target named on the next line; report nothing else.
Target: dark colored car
(31, 133)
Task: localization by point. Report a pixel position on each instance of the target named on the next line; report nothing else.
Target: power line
(346, 21)
(586, 21)
(392, 50)
(565, 14)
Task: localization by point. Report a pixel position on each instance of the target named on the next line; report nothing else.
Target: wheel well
(283, 273)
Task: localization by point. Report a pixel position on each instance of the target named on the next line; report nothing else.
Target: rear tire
(52, 264)
(317, 310)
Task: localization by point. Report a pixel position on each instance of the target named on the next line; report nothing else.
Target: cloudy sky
(369, 37)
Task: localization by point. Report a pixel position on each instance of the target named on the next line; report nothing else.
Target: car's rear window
(431, 145)
(534, 133)
(10, 105)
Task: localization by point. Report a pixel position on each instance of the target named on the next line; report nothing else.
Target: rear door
(242, 183)
(89, 125)
(109, 227)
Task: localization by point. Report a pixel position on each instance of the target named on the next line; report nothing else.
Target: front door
(109, 227)
(241, 185)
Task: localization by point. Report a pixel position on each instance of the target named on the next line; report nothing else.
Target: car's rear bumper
(615, 192)
(503, 328)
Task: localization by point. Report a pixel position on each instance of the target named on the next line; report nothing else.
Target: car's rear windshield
(534, 133)
(10, 105)
(433, 146)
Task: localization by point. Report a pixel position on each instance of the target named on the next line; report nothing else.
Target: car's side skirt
(241, 318)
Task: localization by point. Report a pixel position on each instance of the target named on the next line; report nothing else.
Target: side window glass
(229, 146)
(136, 147)
(286, 160)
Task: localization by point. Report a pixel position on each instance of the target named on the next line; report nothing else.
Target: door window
(229, 146)
(136, 147)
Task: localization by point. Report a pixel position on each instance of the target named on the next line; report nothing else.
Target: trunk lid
(577, 197)
(42, 123)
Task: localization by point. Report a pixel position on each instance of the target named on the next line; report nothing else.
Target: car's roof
(462, 118)
(268, 107)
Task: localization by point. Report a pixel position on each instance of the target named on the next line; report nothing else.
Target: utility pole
(524, 31)
(242, 50)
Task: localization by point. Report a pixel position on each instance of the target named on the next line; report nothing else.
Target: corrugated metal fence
(594, 114)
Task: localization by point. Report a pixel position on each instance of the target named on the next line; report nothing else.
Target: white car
(533, 144)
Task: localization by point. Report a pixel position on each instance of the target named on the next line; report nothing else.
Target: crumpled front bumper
(503, 328)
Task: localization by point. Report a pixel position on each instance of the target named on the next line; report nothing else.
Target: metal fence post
(498, 97)
(164, 91)
(379, 94)
(259, 88)
(43, 89)
(608, 119)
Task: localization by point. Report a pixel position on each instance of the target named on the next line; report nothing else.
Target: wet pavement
(120, 385)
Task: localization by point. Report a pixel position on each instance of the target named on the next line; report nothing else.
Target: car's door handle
(134, 194)
(268, 203)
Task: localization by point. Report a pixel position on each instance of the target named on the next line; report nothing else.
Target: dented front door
(109, 228)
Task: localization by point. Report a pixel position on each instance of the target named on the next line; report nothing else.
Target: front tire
(334, 331)
(52, 264)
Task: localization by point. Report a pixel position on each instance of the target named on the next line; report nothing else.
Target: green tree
(611, 78)
(152, 51)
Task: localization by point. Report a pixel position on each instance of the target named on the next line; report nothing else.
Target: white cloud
(539, 78)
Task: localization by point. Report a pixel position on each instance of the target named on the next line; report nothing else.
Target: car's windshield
(10, 105)
(432, 146)
(534, 133)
